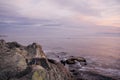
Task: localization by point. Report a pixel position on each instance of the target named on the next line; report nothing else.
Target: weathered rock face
(19, 62)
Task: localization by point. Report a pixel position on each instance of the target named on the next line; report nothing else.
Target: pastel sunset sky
(87, 12)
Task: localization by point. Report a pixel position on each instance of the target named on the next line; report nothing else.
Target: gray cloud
(24, 12)
(81, 6)
(93, 7)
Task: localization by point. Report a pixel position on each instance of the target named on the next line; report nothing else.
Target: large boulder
(19, 62)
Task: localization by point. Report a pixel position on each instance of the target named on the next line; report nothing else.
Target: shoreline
(78, 71)
(87, 72)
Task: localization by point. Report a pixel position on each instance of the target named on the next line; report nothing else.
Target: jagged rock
(35, 50)
(72, 60)
(40, 61)
(11, 61)
(19, 62)
(12, 45)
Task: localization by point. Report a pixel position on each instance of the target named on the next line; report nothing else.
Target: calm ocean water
(99, 45)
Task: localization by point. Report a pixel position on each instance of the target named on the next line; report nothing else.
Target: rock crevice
(19, 62)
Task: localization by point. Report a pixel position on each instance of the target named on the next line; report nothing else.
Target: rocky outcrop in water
(19, 62)
(73, 60)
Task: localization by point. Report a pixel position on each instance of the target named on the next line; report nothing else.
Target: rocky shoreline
(18, 62)
(77, 67)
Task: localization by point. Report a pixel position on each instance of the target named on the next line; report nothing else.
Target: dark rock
(39, 61)
(19, 62)
(72, 70)
(63, 62)
(52, 61)
(12, 45)
(72, 60)
(81, 59)
(75, 73)
(23, 73)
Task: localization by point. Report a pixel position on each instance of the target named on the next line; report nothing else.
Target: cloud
(39, 9)
(97, 12)
(107, 13)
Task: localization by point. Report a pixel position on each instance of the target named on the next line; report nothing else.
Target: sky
(58, 12)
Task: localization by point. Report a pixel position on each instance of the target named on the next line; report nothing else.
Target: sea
(100, 45)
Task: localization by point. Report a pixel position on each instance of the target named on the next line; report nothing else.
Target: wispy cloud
(95, 12)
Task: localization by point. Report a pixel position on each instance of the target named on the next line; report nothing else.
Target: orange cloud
(110, 21)
(104, 21)
(82, 18)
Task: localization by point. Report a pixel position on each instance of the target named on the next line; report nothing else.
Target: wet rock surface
(78, 67)
(73, 60)
(19, 62)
